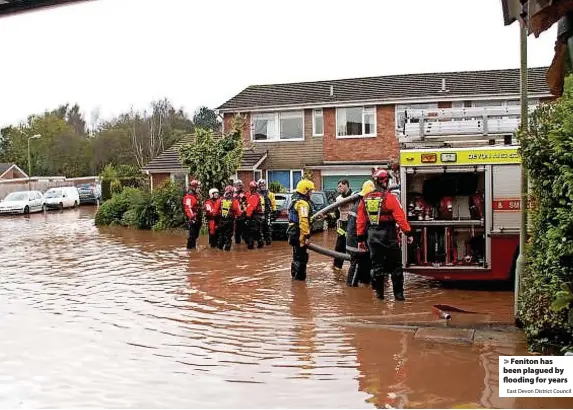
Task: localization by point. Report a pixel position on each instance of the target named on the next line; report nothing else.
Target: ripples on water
(120, 318)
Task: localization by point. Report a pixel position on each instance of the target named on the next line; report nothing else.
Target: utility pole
(36, 136)
(520, 264)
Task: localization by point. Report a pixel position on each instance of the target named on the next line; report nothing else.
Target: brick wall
(317, 179)
(158, 179)
(246, 177)
(380, 148)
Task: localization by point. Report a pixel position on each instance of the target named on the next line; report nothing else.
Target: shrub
(276, 187)
(112, 211)
(546, 303)
(168, 204)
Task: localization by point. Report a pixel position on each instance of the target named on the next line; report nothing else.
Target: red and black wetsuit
(227, 210)
(209, 208)
(376, 219)
(192, 209)
(240, 229)
(255, 218)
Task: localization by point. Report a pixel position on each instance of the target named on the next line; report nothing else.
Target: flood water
(120, 318)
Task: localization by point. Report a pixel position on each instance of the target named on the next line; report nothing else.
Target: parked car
(22, 202)
(90, 193)
(62, 197)
(279, 223)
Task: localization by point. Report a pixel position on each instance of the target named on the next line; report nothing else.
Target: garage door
(330, 183)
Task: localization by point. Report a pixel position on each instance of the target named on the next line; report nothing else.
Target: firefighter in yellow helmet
(299, 228)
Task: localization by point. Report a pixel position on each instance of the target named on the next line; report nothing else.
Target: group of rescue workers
(368, 228)
(244, 214)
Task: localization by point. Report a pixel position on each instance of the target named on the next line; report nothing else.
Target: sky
(111, 55)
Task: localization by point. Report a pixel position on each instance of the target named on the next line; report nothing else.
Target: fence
(41, 184)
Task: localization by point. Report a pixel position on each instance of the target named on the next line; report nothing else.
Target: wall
(40, 184)
(285, 154)
(383, 147)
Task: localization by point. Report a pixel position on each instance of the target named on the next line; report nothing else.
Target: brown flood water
(120, 318)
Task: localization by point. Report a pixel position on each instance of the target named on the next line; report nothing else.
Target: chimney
(444, 89)
(331, 90)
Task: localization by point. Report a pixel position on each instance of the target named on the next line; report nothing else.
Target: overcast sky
(112, 54)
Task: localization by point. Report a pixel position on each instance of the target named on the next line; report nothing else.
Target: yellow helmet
(367, 187)
(304, 186)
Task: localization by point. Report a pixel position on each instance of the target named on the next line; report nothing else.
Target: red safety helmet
(253, 185)
(380, 176)
(194, 184)
(229, 190)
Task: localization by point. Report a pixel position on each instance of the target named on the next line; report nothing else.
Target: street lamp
(33, 137)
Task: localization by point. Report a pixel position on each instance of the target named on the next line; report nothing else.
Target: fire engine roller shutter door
(330, 182)
(506, 184)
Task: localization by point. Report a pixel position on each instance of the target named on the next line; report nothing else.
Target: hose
(328, 252)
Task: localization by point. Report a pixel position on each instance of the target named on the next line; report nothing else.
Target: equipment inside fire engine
(446, 211)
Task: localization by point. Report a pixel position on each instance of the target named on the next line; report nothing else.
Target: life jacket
(377, 212)
(264, 207)
(226, 206)
(292, 213)
(242, 198)
(351, 234)
(267, 201)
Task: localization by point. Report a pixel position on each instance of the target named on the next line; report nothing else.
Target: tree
(214, 160)
(206, 118)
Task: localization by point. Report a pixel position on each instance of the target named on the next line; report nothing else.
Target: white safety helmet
(262, 183)
(212, 192)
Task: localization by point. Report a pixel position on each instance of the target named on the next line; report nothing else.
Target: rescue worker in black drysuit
(342, 216)
(240, 223)
(359, 270)
(227, 210)
(299, 228)
(376, 219)
(270, 207)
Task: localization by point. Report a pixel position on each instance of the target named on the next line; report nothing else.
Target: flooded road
(120, 318)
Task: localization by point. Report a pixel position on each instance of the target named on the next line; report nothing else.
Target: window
(287, 178)
(257, 174)
(180, 179)
(317, 123)
(288, 125)
(356, 122)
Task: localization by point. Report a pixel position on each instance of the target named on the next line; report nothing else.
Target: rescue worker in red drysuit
(377, 216)
(255, 217)
(209, 208)
(192, 207)
(227, 209)
(240, 230)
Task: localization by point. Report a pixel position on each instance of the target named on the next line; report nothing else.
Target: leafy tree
(214, 160)
(206, 118)
(546, 306)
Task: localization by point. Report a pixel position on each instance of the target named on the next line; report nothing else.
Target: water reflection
(123, 318)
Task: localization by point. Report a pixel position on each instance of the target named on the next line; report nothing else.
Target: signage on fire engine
(505, 155)
(508, 205)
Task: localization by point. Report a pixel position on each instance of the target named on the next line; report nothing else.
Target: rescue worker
(376, 219)
(192, 208)
(299, 228)
(209, 208)
(342, 216)
(255, 217)
(227, 209)
(240, 230)
(270, 207)
(359, 270)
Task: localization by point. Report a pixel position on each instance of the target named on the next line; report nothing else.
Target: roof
(8, 7)
(392, 88)
(168, 161)
(6, 166)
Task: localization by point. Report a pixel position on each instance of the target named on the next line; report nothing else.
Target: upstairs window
(355, 122)
(287, 125)
(317, 123)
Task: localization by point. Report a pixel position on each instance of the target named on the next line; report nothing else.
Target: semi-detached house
(344, 128)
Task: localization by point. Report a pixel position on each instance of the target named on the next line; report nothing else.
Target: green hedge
(134, 207)
(546, 302)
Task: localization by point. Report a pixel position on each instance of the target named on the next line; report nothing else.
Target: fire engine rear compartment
(445, 207)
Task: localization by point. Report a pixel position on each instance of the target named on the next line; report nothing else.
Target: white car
(22, 202)
(62, 197)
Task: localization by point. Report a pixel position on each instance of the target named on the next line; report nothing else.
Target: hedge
(545, 305)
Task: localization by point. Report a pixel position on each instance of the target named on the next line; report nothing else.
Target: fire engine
(464, 208)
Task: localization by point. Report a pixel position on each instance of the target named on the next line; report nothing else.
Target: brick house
(11, 171)
(166, 166)
(344, 128)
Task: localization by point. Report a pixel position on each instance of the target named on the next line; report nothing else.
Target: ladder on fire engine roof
(459, 127)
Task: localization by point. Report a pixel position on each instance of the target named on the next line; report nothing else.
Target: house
(11, 171)
(344, 128)
(167, 166)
